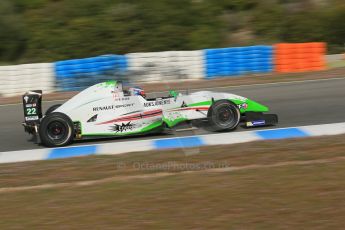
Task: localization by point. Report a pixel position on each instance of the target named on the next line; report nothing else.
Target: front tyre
(56, 130)
(223, 115)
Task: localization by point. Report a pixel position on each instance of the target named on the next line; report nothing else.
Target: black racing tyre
(52, 108)
(56, 129)
(223, 115)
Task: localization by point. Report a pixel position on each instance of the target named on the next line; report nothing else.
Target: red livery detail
(136, 116)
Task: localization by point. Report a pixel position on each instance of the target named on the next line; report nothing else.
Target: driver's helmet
(137, 91)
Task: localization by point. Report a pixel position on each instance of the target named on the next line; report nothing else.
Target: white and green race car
(106, 109)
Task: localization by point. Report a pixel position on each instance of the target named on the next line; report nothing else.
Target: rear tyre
(56, 130)
(223, 115)
(52, 108)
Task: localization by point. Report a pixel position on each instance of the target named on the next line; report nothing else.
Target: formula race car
(107, 109)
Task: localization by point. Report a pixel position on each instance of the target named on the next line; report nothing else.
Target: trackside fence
(77, 74)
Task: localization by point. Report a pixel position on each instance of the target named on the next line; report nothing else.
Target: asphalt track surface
(296, 103)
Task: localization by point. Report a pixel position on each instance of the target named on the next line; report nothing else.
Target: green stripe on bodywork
(200, 103)
(174, 122)
(151, 126)
(254, 106)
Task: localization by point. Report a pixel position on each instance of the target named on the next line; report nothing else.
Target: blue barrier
(78, 74)
(235, 61)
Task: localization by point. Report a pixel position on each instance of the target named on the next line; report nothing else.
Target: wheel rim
(56, 130)
(226, 116)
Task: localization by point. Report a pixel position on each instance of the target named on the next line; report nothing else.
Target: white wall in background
(17, 79)
(335, 57)
(166, 66)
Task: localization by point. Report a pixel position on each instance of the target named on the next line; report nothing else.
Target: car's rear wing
(32, 105)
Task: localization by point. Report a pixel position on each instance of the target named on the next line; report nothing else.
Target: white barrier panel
(335, 57)
(167, 66)
(16, 79)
